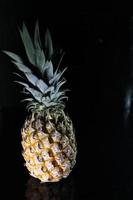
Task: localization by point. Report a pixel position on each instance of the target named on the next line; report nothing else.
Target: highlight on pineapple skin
(49, 146)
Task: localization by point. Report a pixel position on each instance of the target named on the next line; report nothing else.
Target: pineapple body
(49, 146)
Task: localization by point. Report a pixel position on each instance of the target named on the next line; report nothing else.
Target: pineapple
(48, 138)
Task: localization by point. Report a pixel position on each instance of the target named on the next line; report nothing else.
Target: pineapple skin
(49, 145)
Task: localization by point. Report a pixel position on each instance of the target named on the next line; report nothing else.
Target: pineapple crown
(45, 91)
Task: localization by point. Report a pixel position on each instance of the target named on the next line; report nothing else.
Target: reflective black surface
(96, 42)
(49, 191)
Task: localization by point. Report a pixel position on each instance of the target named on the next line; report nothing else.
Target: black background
(96, 42)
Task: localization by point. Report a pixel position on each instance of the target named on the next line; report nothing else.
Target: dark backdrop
(96, 42)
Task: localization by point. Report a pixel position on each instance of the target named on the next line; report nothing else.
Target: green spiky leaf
(14, 56)
(59, 85)
(18, 75)
(39, 59)
(32, 78)
(48, 45)
(50, 89)
(27, 99)
(42, 85)
(22, 67)
(35, 93)
(37, 40)
(48, 69)
(29, 47)
(40, 56)
(57, 77)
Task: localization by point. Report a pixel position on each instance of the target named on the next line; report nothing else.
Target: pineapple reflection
(63, 190)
